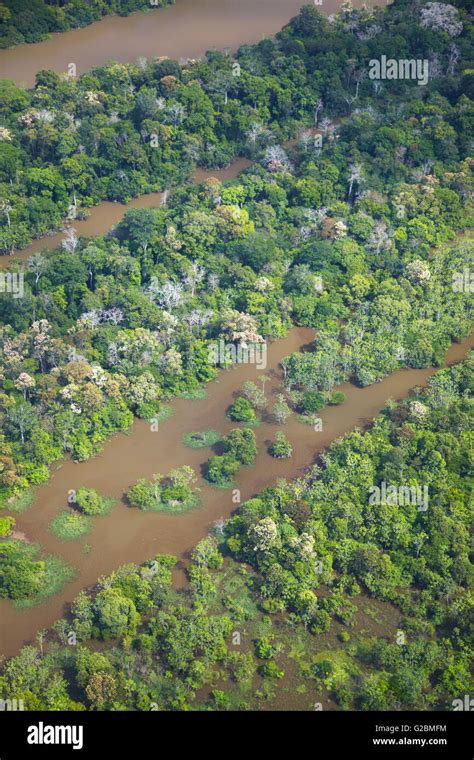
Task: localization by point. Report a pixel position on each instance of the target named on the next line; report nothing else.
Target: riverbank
(107, 214)
(128, 535)
(184, 30)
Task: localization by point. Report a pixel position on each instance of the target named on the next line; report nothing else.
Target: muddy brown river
(183, 30)
(128, 535)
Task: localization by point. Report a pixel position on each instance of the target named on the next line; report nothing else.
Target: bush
(313, 402)
(343, 696)
(7, 525)
(149, 410)
(337, 398)
(321, 622)
(177, 498)
(264, 649)
(90, 502)
(271, 670)
(146, 494)
(323, 669)
(221, 469)
(281, 448)
(20, 574)
(196, 394)
(19, 503)
(173, 494)
(241, 445)
(242, 411)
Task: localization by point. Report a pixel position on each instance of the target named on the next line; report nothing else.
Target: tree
(22, 418)
(101, 690)
(418, 272)
(6, 208)
(207, 553)
(281, 448)
(313, 401)
(115, 614)
(183, 476)
(441, 17)
(20, 574)
(280, 410)
(317, 108)
(7, 524)
(355, 177)
(255, 395)
(241, 411)
(70, 241)
(90, 501)
(146, 494)
(276, 160)
(241, 445)
(264, 535)
(24, 383)
(37, 264)
(221, 469)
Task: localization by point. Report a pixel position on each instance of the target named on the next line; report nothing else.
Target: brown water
(128, 535)
(107, 214)
(184, 30)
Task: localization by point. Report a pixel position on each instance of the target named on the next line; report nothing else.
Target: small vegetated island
(76, 523)
(240, 447)
(201, 440)
(350, 220)
(175, 493)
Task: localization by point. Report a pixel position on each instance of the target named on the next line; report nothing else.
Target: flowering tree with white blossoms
(440, 17)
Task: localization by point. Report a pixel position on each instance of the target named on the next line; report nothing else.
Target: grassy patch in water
(198, 394)
(20, 503)
(224, 485)
(109, 504)
(163, 414)
(70, 526)
(203, 440)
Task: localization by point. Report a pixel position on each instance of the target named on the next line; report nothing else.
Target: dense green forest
(20, 23)
(126, 129)
(354, 219)
(310, 590)
(350, 238)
